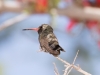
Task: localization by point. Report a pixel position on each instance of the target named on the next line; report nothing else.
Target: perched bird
(47, 39)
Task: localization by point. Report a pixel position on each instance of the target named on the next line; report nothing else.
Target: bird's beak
(35, 29)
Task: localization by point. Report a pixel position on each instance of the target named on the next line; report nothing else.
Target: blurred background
(76, 24)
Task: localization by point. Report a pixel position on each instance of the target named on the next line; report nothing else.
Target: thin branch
(73, 62)
(55, 69)
(63, 61)
(70, 70)
(12, 21)
(75, 56)
(66, 69)
(75, 67)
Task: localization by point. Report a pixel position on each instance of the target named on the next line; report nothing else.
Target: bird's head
(43, 28)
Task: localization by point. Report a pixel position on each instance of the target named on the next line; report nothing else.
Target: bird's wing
(51, 45)
(53, 42)
(45, 45)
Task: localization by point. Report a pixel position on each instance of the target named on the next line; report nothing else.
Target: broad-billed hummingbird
(47, 39)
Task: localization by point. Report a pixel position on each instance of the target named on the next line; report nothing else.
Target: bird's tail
(62, 49)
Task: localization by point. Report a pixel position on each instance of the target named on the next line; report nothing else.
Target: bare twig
(13, 21)
(75, 56)
(56, 70)
(63, 61)
(67, 69)
(73, 62)
(75, 67)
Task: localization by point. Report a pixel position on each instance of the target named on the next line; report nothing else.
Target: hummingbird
(48, 40)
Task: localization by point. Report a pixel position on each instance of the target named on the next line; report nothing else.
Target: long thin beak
(36, 29)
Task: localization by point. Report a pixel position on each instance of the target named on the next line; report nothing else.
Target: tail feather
(58, 47)
(62, 49)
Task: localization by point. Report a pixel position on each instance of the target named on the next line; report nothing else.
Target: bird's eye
(40, 27)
